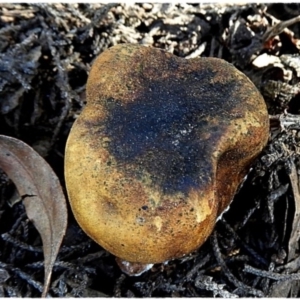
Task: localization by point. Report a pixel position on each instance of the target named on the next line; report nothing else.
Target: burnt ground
(46, 51)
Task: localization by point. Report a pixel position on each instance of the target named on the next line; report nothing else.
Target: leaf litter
(42, 196)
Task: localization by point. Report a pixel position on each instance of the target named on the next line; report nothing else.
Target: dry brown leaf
(42, 193)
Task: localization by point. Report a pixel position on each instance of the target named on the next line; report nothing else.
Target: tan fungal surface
(160, 150)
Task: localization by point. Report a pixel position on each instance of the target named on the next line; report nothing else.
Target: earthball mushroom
(160, 149)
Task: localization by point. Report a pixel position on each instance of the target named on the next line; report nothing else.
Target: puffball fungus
(160, 149)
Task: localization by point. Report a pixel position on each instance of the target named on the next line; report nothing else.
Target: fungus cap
(160, 149)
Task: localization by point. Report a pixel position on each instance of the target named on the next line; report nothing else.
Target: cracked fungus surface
(164, 143)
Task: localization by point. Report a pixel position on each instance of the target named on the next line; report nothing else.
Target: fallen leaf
(42, 196)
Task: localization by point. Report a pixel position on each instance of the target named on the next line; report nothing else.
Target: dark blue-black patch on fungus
(159, 131)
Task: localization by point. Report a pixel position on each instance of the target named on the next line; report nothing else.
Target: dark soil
(46, 51)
